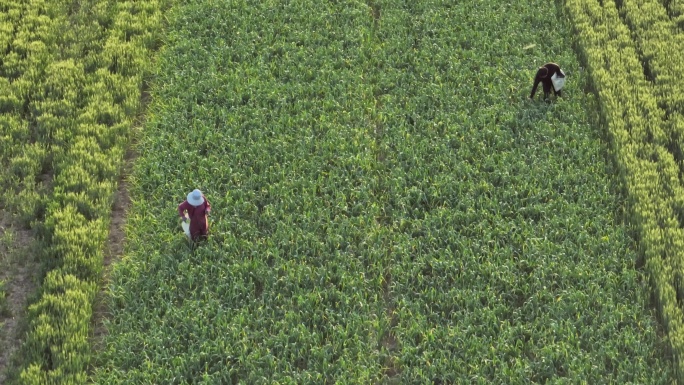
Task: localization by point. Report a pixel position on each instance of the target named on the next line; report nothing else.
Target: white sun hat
(195, 197)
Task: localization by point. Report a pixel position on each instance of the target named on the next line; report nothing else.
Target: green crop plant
(675, 9)
(387, 205)
(4, 306)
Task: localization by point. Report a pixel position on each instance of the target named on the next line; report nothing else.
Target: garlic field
(387, 205)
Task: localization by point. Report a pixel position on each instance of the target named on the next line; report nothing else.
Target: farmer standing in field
(551, 76)
(197, 207)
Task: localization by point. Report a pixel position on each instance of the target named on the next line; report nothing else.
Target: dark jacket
(544, 74)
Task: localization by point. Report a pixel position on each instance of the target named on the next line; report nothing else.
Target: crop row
(660, 44)
(646, 145)
(387, 207)
(72, 79)
(675, 9)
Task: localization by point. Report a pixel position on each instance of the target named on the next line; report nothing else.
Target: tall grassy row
(28, 53)
(387, 206)
(660, 44)
(640, 140)
(75, 73)
(11, 12)
(30, 48)
(675, 9)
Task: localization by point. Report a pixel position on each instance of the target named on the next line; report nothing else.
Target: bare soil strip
(391, 368)
(117, 232)
(19, 270)
(114, 250)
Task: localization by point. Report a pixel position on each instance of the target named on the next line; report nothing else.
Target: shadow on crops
(528, 116)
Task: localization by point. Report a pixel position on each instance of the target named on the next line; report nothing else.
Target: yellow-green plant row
(675, 9)
(72, 78)
(28, 48)
(660, 43)
(644, 142)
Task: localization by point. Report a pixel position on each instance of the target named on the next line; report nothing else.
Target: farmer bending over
(197, 207)
(546, 74)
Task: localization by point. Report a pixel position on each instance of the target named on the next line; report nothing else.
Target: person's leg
(199, 236)
(195, 236)
(204, 227)
(202, 231)
(547, 90)
(195, 230)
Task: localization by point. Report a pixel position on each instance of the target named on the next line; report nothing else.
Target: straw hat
(195, 198)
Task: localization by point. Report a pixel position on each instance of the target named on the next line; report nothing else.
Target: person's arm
(207, 209)
(537, 79)
(182, 208)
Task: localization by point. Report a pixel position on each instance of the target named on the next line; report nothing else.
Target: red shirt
(198, 216)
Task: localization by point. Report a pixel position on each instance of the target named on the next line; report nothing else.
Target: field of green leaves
(387, 205)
